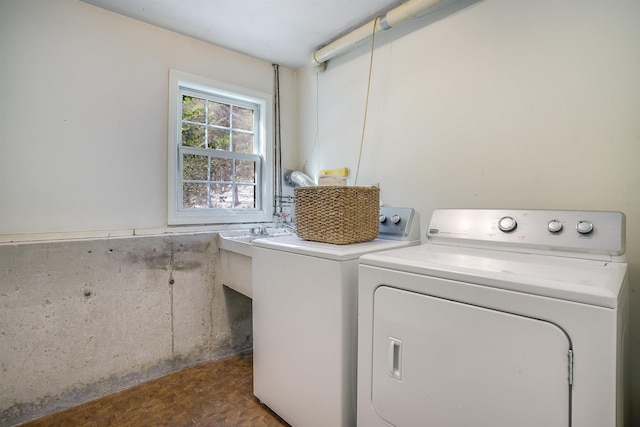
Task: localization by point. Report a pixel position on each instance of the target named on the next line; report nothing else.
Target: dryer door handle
(394, 358)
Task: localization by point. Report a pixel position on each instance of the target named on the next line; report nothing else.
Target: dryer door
(443, 363)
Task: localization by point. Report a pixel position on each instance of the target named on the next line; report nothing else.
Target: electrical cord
(366, 104)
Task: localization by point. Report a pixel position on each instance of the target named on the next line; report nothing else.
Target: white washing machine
(305, 321)
(504, 318)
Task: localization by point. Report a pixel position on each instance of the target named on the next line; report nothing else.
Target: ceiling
(284, 32)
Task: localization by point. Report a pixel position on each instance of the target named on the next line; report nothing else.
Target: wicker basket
(338, 215)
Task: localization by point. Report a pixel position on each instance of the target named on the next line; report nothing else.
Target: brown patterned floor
(212, 394)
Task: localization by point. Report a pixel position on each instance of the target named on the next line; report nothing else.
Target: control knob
(584, 227)
(507, 223)
(395, 219)
(554, 226)
(383, 218)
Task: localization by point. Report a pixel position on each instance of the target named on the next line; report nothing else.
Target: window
(219, 152)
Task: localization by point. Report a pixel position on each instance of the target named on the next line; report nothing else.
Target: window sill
(120, 233)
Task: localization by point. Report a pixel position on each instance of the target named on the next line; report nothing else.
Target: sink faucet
(284, 221)
(259, 230)
(289, 226)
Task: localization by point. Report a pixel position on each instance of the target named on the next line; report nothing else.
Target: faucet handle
(260, 230)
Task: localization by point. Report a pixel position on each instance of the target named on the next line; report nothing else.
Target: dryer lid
(591, 282)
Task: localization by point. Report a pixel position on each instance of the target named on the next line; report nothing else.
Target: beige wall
(521, 104)
(83, 115)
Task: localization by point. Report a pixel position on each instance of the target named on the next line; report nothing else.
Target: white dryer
(305, 321)
(504, 318)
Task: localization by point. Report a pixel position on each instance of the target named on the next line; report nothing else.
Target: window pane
(245, 171)
(194, 167)
(193, 109)
(193, 135)
(242, 118)
(246, 197)
(243, 142)
(219, 114)
(194, 195)
(221, 170)
(221, 196)
(218, 139)
(217, 161)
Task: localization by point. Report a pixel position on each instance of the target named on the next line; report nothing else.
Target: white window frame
(264, 186)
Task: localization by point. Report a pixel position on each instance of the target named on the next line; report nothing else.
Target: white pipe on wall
(404, 12)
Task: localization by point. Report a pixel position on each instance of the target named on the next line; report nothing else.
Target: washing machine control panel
(399, 223)
(596, 232)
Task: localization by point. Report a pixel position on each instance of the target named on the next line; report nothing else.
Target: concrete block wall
(82, 319)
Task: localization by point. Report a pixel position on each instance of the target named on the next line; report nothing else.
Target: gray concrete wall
(82, 319)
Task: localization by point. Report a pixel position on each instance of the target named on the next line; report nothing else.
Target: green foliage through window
(218, 154)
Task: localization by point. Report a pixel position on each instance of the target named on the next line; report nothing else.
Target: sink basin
(236, 256)
(239, 241)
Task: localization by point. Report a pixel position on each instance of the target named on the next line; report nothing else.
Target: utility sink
(236, 256)
(239, 241)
